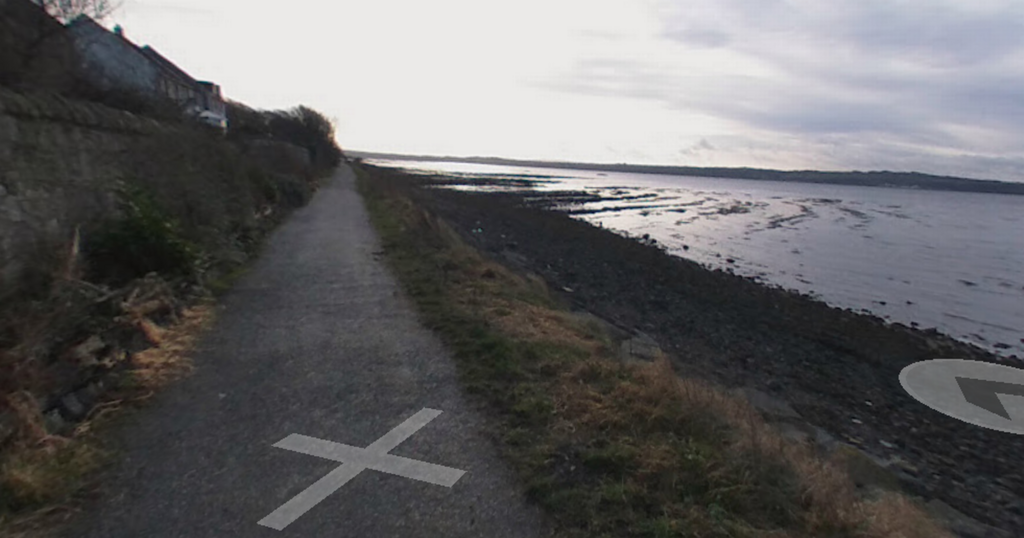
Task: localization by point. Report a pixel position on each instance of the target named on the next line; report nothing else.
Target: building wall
(176, 90)
(111, 63)
(212, 99)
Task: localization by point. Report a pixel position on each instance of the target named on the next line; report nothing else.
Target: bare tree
(68, 10)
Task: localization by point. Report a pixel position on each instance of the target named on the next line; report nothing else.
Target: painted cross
(353, 461)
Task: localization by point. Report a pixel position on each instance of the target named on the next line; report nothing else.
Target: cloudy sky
(929, 85)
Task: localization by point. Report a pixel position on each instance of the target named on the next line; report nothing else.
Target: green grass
(607, 448)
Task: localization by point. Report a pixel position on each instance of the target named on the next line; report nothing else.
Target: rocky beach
(826, 375)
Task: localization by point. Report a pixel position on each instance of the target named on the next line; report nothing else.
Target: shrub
(301, 126)
(245, 122)
(142, 240)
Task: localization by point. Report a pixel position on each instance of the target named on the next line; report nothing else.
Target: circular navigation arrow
(979, 393)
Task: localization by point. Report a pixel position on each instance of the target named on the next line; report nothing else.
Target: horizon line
(457, 158)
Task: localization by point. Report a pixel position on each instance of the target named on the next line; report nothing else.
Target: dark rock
(71, 408)
(86, 353)
(826, 441)
(88, 395)
(962, 525)
(770, 407)
(798, 433)
(8, 427)
(866, 470)
(54, 423)
(640, 347)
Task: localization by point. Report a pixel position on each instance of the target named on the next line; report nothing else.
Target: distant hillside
(904, 180)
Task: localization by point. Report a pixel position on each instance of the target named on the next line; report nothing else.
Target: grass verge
(610, 448)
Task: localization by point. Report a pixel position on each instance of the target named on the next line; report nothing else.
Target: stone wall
(62, 163)
(109, 61)
(76, 173)
(59, 164)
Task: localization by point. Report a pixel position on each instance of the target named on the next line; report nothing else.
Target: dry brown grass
(534, 323)
(40, 473)
(652, 392)
(830, 497)
(169, 358)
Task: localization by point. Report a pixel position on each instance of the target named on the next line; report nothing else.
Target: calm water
(952, 261)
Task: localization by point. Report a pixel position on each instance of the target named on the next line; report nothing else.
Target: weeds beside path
(610, 448)
(43, 476)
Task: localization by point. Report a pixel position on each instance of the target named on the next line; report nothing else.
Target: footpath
(319, 407)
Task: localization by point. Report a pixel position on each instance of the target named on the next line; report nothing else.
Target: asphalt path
(315, 341)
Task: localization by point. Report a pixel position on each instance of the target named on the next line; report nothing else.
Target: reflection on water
(948, 260)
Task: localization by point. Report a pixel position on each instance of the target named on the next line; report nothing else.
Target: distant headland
(904, 180)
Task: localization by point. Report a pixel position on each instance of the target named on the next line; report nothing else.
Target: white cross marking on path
(353, 461)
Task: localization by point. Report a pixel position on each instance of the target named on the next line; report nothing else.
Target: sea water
(951, 261)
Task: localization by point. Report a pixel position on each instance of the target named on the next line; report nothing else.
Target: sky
(905, 85)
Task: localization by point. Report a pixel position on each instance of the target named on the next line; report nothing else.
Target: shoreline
(837, 368)
(883, 293)
(1001, 352)
(874, 178)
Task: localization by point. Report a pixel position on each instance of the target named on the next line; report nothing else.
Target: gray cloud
(940, 81)
(934, 35)
(934, 32)
(698, 149)
(702, 37)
